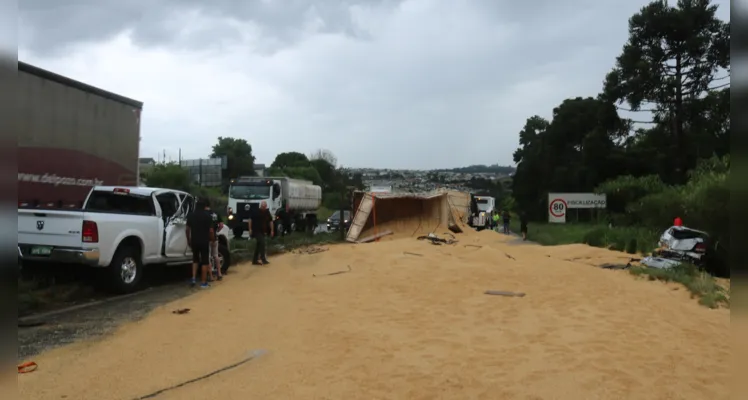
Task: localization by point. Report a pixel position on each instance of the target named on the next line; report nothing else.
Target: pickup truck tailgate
(50, 228)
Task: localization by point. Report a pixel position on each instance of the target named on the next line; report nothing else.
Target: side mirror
(276, 191)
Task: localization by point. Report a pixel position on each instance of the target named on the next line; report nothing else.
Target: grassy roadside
(632, 240)
(32, 298)
(700, 284)
(628, 239)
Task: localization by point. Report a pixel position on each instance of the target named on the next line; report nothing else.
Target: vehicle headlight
(231, 217)
(345, 222)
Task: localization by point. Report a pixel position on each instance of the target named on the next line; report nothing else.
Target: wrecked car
(677, 245)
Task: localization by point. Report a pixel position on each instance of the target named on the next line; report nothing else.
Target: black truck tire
(125, 271)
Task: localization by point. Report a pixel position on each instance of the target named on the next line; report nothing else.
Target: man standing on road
(199, 234)
(214, 243)
(260, 223)
(523, 224)
(505, 216)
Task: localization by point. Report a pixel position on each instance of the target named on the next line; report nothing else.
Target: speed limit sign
(557, 210)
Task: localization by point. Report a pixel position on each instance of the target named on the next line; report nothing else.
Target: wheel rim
(128, 270)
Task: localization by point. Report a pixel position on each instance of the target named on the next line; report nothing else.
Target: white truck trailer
(293, 202)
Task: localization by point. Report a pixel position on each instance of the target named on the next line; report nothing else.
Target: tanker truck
(292, 202)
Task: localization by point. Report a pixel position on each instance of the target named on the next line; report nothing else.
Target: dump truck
(72, 137)
(292, 202)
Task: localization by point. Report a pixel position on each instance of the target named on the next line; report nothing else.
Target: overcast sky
(380, 83)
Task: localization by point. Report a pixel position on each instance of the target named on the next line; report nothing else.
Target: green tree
(239, 158)
(169, 176)
(304, 172)
(290, 159)
(325, 155)
(328, 174)
(574, 152)
(669, 63)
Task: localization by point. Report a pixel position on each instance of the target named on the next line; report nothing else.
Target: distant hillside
(474, 169)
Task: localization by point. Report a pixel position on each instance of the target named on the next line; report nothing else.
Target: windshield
(482, 204)
(249, 192)
(108, 202)
(336, 215)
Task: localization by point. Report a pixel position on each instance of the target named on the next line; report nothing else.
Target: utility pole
(200, 172)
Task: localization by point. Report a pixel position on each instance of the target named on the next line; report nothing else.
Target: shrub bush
(624, 190)
(631, 247)
(702, 203)
(595, 237)
(218, 201)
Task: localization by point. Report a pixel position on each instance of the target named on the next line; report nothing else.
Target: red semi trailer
(72, 136)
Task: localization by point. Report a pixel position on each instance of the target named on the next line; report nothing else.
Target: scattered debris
(27, 367)
(412, 254)
(181, 311)
(660, 262)
(252, 356)
(504, 293)
(310, 250)
(474, 245)
(509, 256)
(333, 273)
(436, 240)
(615, 266)
(374, 237)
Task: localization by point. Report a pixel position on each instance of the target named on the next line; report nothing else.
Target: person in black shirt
(199, 234)
(523, 224)
(214, 243)
(261, 223)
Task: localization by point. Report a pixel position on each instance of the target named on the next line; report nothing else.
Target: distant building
(259, 169)
(206, 172)
(144, 166)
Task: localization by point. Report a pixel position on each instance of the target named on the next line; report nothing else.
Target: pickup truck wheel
(125, 270)
(224, 257)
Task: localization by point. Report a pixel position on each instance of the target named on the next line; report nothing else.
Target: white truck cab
(292, 202)
(486, 206)
(120, 229)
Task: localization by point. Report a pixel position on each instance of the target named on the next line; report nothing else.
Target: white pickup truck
(120, 229)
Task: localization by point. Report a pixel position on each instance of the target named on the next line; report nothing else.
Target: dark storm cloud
(49, 26)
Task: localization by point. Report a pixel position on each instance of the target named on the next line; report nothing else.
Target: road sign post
(557, 210)
(560, 203)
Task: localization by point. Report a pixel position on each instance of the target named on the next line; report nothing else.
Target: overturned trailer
(405, 214)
